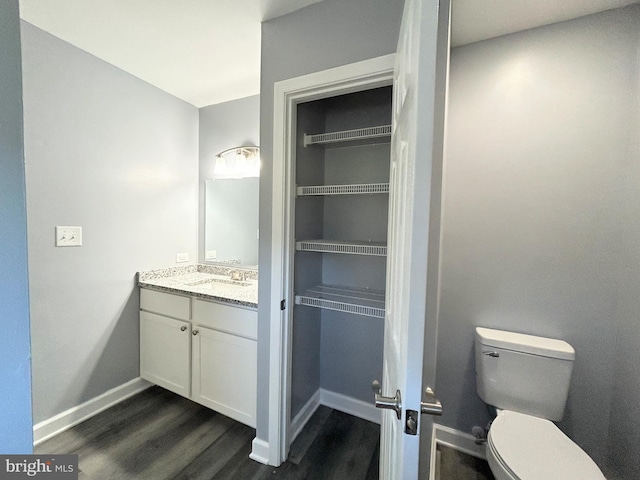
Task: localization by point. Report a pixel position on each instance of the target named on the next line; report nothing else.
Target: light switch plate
(211, 255)
(68, 236)
(182, 257)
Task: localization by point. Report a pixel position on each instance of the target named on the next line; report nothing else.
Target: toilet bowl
(526, 379)
(524, 447)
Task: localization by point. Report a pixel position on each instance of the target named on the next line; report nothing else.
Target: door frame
(363, 75)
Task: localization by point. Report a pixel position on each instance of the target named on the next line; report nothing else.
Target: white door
(414, 232)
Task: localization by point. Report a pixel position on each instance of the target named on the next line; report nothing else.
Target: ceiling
(202, 51)
(208, 51)
(475, 20)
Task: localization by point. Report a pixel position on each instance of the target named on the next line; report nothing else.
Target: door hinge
(283, 304)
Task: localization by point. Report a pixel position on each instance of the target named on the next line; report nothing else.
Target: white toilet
(526, 378)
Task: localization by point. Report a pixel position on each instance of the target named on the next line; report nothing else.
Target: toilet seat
(531, 448)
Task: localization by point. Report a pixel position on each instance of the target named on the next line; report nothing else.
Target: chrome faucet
(236, 275)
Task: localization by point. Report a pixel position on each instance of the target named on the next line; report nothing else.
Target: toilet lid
(532, 448)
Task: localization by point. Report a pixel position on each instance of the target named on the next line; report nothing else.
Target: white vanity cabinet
(165, 340)
(205, 351)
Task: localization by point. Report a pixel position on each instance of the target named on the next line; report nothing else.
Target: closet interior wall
(331, 350)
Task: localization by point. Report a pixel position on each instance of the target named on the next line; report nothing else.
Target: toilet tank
(523, 373)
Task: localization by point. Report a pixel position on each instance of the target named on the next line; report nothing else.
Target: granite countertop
(211, 282)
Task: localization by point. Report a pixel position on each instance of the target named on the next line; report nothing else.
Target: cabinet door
(165, 352)
(225, 374)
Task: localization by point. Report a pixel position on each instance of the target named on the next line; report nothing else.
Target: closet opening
(341, 163)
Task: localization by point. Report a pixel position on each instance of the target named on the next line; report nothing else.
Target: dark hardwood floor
(157, 435)
(455, 465)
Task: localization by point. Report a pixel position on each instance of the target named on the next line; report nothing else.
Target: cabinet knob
(195, 332)
(183, 328)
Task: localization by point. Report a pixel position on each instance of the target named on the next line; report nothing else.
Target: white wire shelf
(358, 134)
(355, 189)
(378, 249)
(360, 301)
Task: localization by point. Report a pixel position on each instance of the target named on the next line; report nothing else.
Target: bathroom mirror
(231, 221)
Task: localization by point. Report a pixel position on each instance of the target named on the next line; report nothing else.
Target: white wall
(115, 155)
(540, 223)
(15, 370)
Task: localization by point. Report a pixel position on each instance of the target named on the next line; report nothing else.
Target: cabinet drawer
(165, 304)
(225, 318)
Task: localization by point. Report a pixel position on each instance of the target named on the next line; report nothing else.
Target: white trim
(303, 416)
(458, 440)
(352, 406)
(434, 473)
(329, 399)
(259, 451)
(75, 415)
(358, 76)
(337, 401)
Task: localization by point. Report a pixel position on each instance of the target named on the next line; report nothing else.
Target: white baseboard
(458, 440)
(259, 451)
(455, 439)
(352, 406)
(303, 416)
(67, 419)
(337, 401)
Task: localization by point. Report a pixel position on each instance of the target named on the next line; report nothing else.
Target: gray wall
(540, 220)
(352, 345)
(15, 368)
(222, 126)
(325, 35)
(624, 431)
(108, 152)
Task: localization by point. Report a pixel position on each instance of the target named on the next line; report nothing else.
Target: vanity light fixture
(238, 162)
